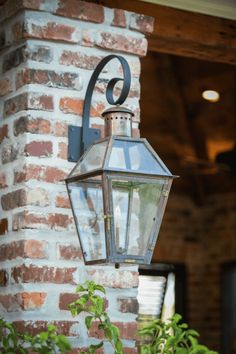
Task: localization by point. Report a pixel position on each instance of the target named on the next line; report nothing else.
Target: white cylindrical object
(150, 294)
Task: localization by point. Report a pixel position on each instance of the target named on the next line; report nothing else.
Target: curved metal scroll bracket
(81, 138)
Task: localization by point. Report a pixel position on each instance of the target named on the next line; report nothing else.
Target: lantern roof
(119, 154)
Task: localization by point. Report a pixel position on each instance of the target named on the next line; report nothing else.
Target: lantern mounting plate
(80, 138)
(75, 137)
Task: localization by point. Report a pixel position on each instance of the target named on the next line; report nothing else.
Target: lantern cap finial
(118, 121)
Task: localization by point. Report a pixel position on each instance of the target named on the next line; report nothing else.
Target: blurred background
(188, 114)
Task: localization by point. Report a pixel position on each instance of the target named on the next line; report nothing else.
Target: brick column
(49, 51)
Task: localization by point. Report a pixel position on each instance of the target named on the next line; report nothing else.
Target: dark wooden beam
(186, 33)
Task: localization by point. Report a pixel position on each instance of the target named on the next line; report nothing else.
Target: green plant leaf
(118, 346)
(193, 333)
(88, 321)
(93, 347)
(100, 288)
(80, 288)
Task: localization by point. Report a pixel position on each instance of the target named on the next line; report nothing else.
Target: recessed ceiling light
(211, 95)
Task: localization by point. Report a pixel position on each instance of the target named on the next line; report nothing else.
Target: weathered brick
(10, 153)
(14, 199)
(12, 7)
(37, 196)
(3, 277)
(39, 148)
(62, 201)
(53, 174)
(51, 30)
(40, 102)
(28, 172)
(5, 87)
(69, 252)
(35, 327)
(71, 105)
(127, 304)
(62, 150)
(15, 104)
(11, 250)
(60, 129)
(31, 300)
(17, 31)
(26, 101)
(79, 60)
(3, 132)
(20, 55)
(109, 278)
(39, 53)
(35, 249)
(59, 221)
(81, 10)
(38, 172)
(3, 226)
(135, 67)
(128, 330)
(49, 78)
(119, 42)
(24, 248)
(8, 302)
(3, 182)
(142, 23)
(14, 58)
(27, 124)
(65, 299)
(119, 19)
(29, 220)
(75, 105)
(88, 38)
(44, 274)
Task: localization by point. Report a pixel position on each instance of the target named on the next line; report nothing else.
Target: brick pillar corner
(49, 51)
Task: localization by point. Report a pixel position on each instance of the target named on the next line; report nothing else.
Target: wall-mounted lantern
(119, 187)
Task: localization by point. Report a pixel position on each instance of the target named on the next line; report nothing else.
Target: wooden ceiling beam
(186, 33)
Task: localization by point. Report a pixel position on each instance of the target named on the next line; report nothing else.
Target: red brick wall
(49, 50)
(202, 238)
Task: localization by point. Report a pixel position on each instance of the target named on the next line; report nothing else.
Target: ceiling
(226, 8)
(189, 52)
(187, 131)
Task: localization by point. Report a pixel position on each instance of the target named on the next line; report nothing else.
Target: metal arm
(81, 138)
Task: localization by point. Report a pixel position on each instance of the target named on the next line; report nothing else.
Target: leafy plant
(46, 342)
(49, 342)
(11, 341)
(172, 337)
(94, 306)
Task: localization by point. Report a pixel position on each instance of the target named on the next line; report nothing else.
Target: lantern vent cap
(117, 109)
(118, 121)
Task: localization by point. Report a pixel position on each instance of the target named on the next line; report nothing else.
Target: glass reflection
(135, 206)
(87, 201)
(135, 156)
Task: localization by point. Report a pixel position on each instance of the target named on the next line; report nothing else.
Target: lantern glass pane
(91, 160)
(87, 204)
(135, 156)
(136, 207)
